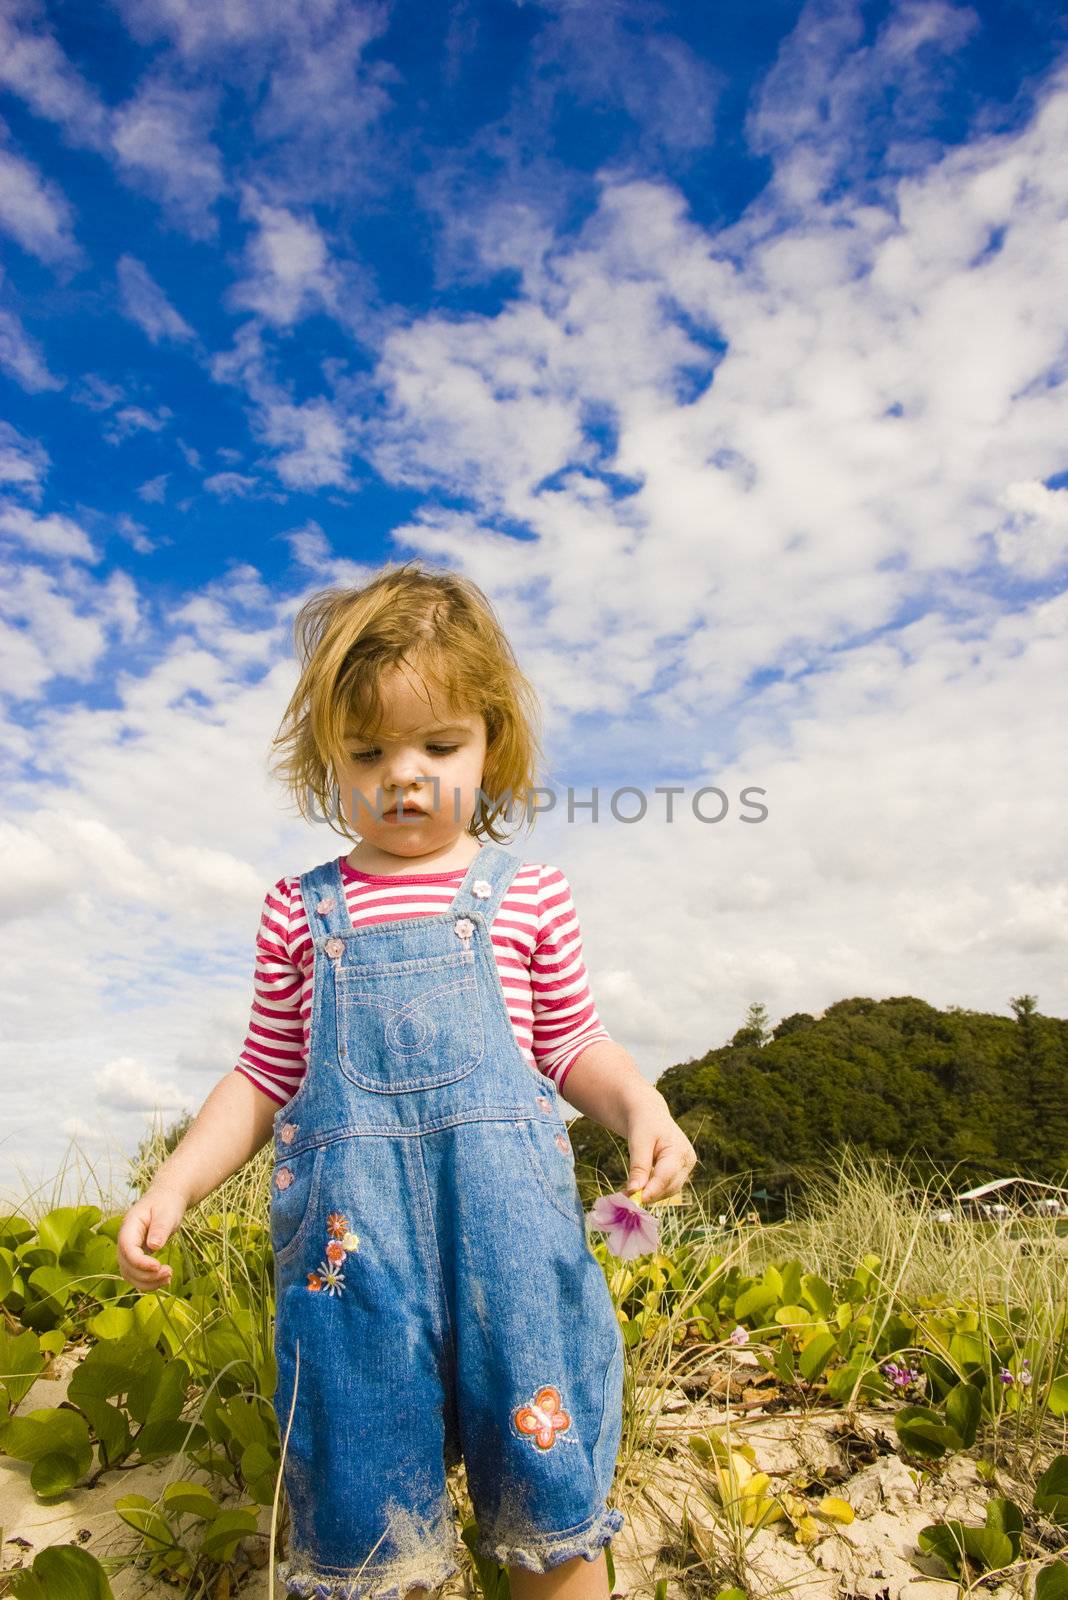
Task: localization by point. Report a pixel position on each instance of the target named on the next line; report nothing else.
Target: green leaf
(15, 1230)
(1051, 1491)
(61, 1229)
(194, 1498)
(62, 1572)
(21, 1359)
(964, 1408)
(815, 1355)
(818, 1294)
(259, 1466)
(109, 1423)
(937, 1540)
(226, 1532)
(140, 1513)
(53, 1474)
(1052, 1582)
(52, 1284)
(47, 1432)
(169, 1437)
(1058, 1396)
(923, 1432)
(114, 1322)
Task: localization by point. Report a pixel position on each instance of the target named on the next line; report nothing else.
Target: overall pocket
(551, 1160)
(294, 1199)
(409, 1024)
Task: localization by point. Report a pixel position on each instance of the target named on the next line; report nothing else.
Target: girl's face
(397, 768)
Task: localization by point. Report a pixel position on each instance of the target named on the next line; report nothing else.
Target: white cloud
(54, 535)
(21, 356)
(35, 212)
(24, 462)
(1034, 537)
(136, 419)
(160, 142)
(145, 303)
(126, 1084)
(288, 270)
(154, 489)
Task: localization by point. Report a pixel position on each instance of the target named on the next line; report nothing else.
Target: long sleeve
(273, 1057)
(565, 1017)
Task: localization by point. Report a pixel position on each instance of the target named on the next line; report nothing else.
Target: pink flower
(334, 947)
(325, 905)
(739, 1335)
(631, 1231)
(464, 927)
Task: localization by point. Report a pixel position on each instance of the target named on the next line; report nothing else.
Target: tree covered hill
(981, 1093)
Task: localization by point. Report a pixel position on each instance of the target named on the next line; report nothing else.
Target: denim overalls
(432, 1268)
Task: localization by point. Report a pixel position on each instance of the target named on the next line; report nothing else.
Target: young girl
(420, 1003)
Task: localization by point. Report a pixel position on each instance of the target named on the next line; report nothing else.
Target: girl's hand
(661, 1156)
(148, 1225)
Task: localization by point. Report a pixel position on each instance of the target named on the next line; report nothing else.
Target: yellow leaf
(838, 1510)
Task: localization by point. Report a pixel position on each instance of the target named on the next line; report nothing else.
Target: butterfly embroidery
(543, 1418)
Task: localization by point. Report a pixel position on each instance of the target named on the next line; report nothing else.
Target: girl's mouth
(409, 813)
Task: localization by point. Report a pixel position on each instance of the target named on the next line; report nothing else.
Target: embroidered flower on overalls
(334, 947)
(464, 927)
(288, 1132)
(561, 1143)
(543, 1418)
(335, 1252)
(482, 888)
(336, 1225)
(332, 1280)
(283, 1178)
(325, 905)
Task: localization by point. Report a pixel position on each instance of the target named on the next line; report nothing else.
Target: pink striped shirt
(536, 941)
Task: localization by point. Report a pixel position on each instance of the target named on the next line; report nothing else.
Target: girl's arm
(231, 1125)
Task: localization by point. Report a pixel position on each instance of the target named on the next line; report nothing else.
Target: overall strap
(485, 883)
(323, 893)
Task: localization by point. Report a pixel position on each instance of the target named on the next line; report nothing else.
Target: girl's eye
(436, 749)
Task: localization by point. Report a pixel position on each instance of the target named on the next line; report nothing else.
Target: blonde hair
(437, 622)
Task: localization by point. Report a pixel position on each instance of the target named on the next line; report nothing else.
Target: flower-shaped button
(464, 927)
(334, 947)
(482, 888)
(288, 1132)
(561, 1143)
(325, 905)
(544, 1102)
(283, 1178)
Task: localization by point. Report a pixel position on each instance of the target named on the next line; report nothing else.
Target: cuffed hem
(540, 1551)
(382, 1583)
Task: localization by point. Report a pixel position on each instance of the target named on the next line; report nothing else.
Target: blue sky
(724, 346)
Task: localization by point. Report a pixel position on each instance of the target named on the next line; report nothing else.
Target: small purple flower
(739, 1335)
(630, 1230)
(334, 947)
(325, 905)
(464, 927)
(900, 1377)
